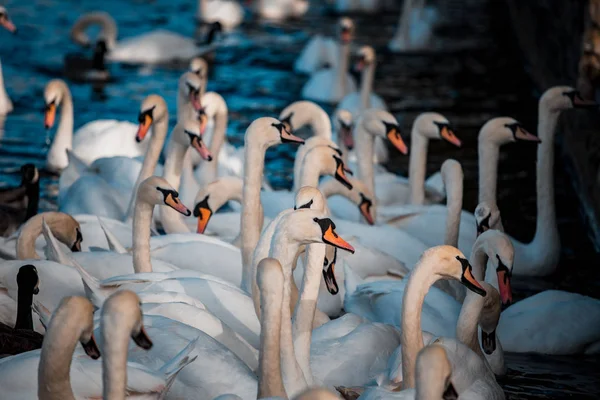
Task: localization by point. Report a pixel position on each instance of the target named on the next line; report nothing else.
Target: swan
(99, 194)
(18, 205)
(22, 337)
(155, 47)
(96, 139)
(5, 21)
(364, 99)
(228, 12)
(343, 125)
(415, 27)
(277, 10)
(306, 113)
(318, 53)
(332, 84)
(6, 105)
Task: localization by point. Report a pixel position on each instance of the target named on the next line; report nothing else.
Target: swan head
(213, 196)
(328, 158)
(212, 104)
(501, 256)
(435, 126)
(199, 66)
(190, 86)
(309, 197)
(28, 279)
(123, 308)
(157, 191)
(81, 310)
(383, 124)
(6, 22)
(433, 373)
(502, 130)
(487, 216)
(451, 263)
(366, 57)
(343, 123)
(153, 109)
(559, 98)
(29, 174)
(268, 132)
(346, 30)
(188, 134)
(53, 95)
(300, 113)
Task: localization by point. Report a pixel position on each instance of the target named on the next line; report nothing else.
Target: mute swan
(281, 9)
(415, 27)
(260, 135)
(306, 113)
(228, 12)
(22, 337)
(365, 98)
(158, 46)
(6, 105)
(94, 194)
(18, 205)
(100, 138)
(318, 53)
(5, 21)
(331, 85)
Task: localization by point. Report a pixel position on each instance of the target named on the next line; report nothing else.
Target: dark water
(475, 73)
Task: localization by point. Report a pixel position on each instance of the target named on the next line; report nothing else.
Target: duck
(22, 338)
(80, 68)
(332, 84)
(364, 99)
(18, 205)
(156, 47)
(275, 10)
(96, 139)
(415, 27)
(228, 13)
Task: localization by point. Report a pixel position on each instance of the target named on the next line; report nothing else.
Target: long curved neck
(364, 159)
(24, 301)
(320, 123)
(343, 66)
(55, 359)
(307, 305)
(142, 219)
(114, 359)
(171, 220)
(454, 193)
(270, 383)
(63, 139)
(417, 166)
(546, 232)
(312, 169)
(157, 141)
(285, 251)
(366, 85)
(419, 282)
(210, 169)
(488, 170)
(254, 165)
(466, 328)
(32, 229)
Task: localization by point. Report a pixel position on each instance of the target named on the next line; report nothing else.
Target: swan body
(415, 27)
(228, 13)
(317, 54)
(6, 105)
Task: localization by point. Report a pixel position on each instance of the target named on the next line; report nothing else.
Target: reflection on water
(474, 74)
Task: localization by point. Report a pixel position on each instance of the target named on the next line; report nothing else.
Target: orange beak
(504, 286)
(201, 148)
(203, 119)
(203, 212)
(195, 99)
(365, 210)
(471, 283)
(447, 134)
(340, 173)
(50, 115)
(394, 137)
(347, 138)
(287, 137)
(8, 25)
(143, 127)
(332, 238)
(522, 134)
(177, 205)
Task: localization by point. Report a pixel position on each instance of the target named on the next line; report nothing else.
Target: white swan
(331, 85)
(280, 9)
(343, 126)
(6, 105)
(158, 46)
(364, 99)
(99, 194)
(415, 27)
(228, 12)
(100, 138)
(318, 53)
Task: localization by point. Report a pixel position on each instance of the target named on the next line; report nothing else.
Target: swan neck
(115, 336)
(254, 164)
(454, 193)
(55, 358)
(417, 166)
(488, 170)
(343, 66)
(63, 139)
(468, 319)
(307, 305)
(311, 171)
(364, 157)
(24, 302)
(142, 219)
(157, 141)
(171, 220)
(366, 85)
(26, 240)
(419, 282)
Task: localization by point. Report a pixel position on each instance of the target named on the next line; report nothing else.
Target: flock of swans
(415, 298)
